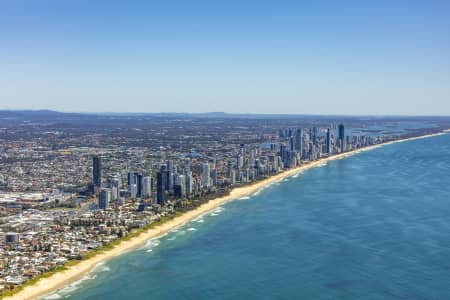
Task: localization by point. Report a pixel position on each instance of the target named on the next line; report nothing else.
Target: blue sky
(306, 57)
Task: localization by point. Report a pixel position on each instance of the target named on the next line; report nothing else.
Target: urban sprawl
(64, 193)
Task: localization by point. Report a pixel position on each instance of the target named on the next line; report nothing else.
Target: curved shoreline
(58, 280)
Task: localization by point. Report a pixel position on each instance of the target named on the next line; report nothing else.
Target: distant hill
(51, 114)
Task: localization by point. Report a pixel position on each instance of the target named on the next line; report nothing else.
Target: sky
(384, 57)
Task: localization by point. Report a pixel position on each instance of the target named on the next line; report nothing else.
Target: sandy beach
(60, 279)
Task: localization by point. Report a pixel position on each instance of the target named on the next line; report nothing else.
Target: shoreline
(58, 280)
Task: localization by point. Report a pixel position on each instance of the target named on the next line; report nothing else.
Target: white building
(206, 180)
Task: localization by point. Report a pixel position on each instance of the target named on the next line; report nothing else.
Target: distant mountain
(51, 114)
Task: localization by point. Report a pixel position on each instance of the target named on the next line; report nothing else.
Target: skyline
(255, 57)
(77, 190)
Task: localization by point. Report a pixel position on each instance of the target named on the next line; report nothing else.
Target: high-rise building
(177, 192)
(146, 187)
(116, 180)
(138, 185)
(299, 141)
(161, 178)
(189, 184)
(341, 131)
(291, 144)
(170, 175)
(206, 180)
(135, 181)
(328, 141)
(233, 177)
(96, 171)
(165, 172)
(314, 135)
(229, 168)
(131, 179)
(133, 191)
(239, 161)
(114, 193)
(284, 154)
(104, 198)
(213, 177)
(341, 136)
(182, 183)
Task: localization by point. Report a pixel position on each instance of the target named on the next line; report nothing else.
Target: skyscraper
(341, 136)
(213, 177)
(341, 131)
(206, 179)
(133, 191)
(239, 161)
(135, 179)
(291, 144)
(115, 186)
(314, 135)
(96, 171)
(229, 168)
(182, 183)
(170, 175)
(189, 184)
(146, 187)
(165, 172)
(328, 141)
(104, 198)
(161, 178)
(161, 183)
(299, 141)
(138, 185)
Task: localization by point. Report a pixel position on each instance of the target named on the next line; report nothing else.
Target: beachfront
(77, 271)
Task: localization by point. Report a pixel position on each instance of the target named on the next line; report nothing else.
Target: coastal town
(69, 189)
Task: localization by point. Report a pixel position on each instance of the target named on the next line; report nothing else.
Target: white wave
(197, 219)
(101, 267)
(244, 198)
(200, 221)
(152, 243)
(269, 185)
(172, 238)
(214, 214)
(149, 250)
(191, 229)
(52, 296)
(64, 291)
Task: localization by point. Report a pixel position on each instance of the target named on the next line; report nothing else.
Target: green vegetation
(92, 253)
(15, 289)
(181, 207)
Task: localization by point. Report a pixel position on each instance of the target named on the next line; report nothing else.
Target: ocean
(375, 225)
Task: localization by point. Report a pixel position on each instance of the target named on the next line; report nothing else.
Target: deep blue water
(372, 226)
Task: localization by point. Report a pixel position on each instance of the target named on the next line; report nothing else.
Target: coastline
(58, 280)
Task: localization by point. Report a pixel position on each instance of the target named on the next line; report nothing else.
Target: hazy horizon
(219, 113)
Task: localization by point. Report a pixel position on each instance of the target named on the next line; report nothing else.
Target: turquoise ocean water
(375, 225)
